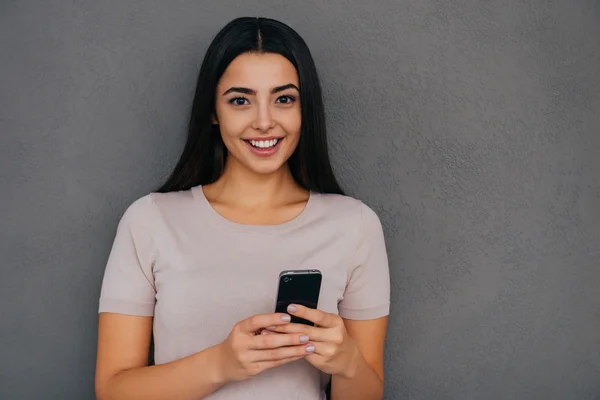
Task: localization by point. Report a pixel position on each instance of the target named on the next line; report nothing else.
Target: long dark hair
(204, 155)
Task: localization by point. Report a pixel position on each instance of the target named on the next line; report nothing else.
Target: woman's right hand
(246, 352)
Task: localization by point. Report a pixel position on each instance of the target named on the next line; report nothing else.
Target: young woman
(195, 265)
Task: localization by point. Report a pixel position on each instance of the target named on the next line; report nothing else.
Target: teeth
(264, 144)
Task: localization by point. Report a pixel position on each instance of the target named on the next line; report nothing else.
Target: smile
(264, 148)
(264, 144)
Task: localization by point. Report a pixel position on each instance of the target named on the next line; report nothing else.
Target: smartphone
(298, 287)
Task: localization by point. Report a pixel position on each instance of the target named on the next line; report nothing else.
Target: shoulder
(347, 208)
(337, 203)
(143, 211)
(138, 211)
(166, 202)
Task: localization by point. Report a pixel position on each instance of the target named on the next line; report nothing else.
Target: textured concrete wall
(472, 127)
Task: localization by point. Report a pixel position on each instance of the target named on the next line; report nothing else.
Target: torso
(211, 272)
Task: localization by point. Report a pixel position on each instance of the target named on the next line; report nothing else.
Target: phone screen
(299, 287)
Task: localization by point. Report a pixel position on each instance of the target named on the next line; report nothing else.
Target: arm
(125, 323)
(122, 370)
(364, 309)
(349, 345)
(366, 375)
(351, 351)
(126, 308)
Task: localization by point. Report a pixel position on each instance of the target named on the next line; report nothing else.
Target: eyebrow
(253, 92)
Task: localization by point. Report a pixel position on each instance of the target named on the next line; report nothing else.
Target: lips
(264, 144)
(264, 147)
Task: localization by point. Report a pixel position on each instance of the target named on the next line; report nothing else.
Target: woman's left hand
(334, 351)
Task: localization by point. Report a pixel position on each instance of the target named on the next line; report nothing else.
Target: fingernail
(310, 348)
(286, 318)
(292, 308)
(303, 339)
(265, 332)
(271, 328)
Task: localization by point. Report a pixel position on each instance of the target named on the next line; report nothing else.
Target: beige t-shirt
(176, 259)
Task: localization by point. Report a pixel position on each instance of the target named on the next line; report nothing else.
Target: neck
(244, 187)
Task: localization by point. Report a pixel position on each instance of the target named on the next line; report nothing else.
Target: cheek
(232, 124)
(292, 123)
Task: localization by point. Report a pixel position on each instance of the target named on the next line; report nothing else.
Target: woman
(196, 264)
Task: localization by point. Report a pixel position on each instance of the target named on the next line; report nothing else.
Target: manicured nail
(286, 318)
(292, 308)
(303, 339)
(310, 348)
(271, 328)
(265, 332)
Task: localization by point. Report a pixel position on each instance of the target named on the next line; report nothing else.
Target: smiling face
(258, 111)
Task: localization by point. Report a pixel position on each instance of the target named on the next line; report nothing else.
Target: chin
(265, 169)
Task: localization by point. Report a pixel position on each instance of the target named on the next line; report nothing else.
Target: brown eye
(286, 99)
(238, 101)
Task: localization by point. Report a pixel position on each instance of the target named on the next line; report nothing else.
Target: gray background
(471, 127)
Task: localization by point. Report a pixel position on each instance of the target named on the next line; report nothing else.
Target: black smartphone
(299, 287)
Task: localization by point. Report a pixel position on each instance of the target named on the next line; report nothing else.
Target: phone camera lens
(286, 279)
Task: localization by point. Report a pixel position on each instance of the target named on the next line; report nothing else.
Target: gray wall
(472, 127)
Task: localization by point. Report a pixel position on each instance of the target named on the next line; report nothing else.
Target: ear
(214, 120)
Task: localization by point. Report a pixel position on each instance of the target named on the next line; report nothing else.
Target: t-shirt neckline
(209, 212)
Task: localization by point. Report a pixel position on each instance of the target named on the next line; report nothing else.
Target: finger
(282, 353)
(317, 360)
(274, 340)
(322, 349)
(294, 328)
(264, 365)
(315, 334)
(319, 317)
(256, 322)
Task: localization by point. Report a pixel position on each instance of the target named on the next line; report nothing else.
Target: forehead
(259, 71)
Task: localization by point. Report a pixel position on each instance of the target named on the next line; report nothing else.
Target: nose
(264, 120)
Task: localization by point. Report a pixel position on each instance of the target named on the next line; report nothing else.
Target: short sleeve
(128, 284)
(367, 293)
